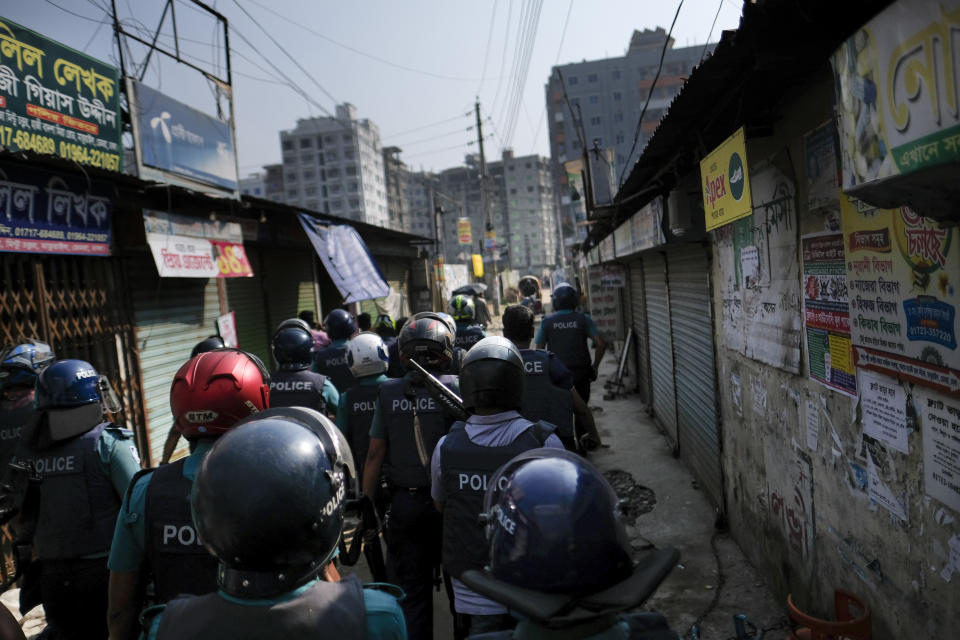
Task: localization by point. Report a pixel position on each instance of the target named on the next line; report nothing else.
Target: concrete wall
(801, 512)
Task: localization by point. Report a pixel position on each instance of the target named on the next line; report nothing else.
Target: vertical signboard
(604, 304)
(726, 185)
(57, 101)
(464, 233)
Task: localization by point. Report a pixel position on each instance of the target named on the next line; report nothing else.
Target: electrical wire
(432, 124)
(709, 35)
(78, 15)
(543, 113)
(521, 81)
(503, 56)
(437, 137)
(486, 55)
(500, 109)
(433, 151)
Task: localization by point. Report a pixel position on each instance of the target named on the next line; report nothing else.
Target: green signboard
(58, 101)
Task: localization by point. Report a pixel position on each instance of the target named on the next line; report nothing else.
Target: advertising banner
(185, 247)
(347, 260)
(173, 224)
(726, 185)
(464, 234)
(826, 312)
(47, 212)
(176, 138)
(58, 101)
(903, 272)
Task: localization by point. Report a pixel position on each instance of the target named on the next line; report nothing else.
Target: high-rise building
(395, 175)
(273, 182)
(418, 207)
(531, 220)
(461, 196)
(608, 96)
(335, 165)
(254, 184)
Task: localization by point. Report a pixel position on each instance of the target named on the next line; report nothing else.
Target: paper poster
(813, 425)
(227, 326)
(823, 167)
(826, 312)
(604, 304)
(750, 266)
(884, 404)
(903, 271)
(880, 493)
(940, 416)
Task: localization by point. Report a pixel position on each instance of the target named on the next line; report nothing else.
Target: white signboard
(227, 324)
(182, 257)
(940, 416)
(884, 405)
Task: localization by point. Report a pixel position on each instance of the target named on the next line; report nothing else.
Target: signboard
(490, 240)
(477, 265)
(173, 224)
(903, 271)
(613, 276)
(940, 416)
(46, 212)
(178, 139)
(896, 101)
(726, 185)
(574, 203)
(464, 234)
(186, 247)
(826, 312)
(58, 101)
(604, 305)
(347, 260)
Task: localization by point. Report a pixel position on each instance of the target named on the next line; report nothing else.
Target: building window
(308, 174)
(512, 191)
(333, 173)
(616, 74)
(595, 120)
(351, 170)
(336, 205)
(292, 193)
(306, 158)
(331, 155)
(618, 117)
(354, 202)
(288, 145)
(594, 99)
(319, 142)
(592, 77)
(310, 190)
(306, 143)
(347, 137)
(329, 139)
(616, 96)
(312, 205)
(572, 80)
(291, 177)
(530, 189)
(335, 188)
(352, 187)
(348, 154)
(619, 138)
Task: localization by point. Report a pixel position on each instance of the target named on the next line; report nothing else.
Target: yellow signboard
(477, 265)
(464, 235)
(726, 185)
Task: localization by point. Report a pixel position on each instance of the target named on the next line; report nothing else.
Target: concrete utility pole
(485, 209)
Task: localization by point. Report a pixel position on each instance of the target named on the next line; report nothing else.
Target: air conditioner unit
(679, 213)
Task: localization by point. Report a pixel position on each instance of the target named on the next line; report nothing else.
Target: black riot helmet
(208, 344)
(339, 325)
(491, 375)
(564, 296)
(427, 338)
(268, 500)
(293, 345)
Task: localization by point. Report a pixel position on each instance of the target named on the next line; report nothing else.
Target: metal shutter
(690, 313)
(287, 274)
(245, 297)
(661, 344)
(171, 316)
(639, 322)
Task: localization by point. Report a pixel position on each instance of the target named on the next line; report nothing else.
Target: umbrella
(472, 289)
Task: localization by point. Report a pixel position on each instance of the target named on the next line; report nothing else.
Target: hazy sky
(413, 67)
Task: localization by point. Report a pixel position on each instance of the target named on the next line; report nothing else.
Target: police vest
(465, 469)
(645, 625)
(325, 610)
(178, 561)
(361, 400)
(397, 409)
(543, 400)
(469, 335)
(332, 362)
(78, 505)
(12, 423)
(566, 336)
(395, 369)
(298, 389)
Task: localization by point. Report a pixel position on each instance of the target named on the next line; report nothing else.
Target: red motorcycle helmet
(215, 389)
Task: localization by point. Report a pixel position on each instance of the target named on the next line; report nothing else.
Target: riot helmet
(339, 325)
(20, 364)
(293, 345)
(367, 355)
(462, 308)
(384, 326)
(268, 499)
(447, 320)
(427, 338)
(553, 525)
(215, 389)
(564, 296)
(69, 391)
(208, 344)
(492, 375)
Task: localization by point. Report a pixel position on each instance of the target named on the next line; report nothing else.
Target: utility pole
(485, 209)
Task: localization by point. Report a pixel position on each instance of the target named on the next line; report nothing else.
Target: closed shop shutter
(246, 299)
(638, 316)
(288, 274)
(694, 362)
(171, 316)
(661, 344)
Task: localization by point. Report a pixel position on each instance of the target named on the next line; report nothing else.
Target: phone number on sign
(10, 137)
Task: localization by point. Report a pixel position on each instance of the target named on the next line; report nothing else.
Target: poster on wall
(823, 167)
(826, 312)
(604, 304)
(888, 410)
(940, 416)
(903, 271)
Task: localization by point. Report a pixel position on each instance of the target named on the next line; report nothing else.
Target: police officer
(550, 394)
(293, 384)
(464, 313)
(563, 540)
(368, 361)
(154, 538)
(566, 331)
(492, 382)
(268, 503)
(407, 424)
(84, 464)
(331, 360)
(19, 367)
(386, 328)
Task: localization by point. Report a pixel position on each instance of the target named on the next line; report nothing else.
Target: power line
(78, 15)
(437, 137)
(433, 151)
(503, 56)
(432, 124)
(521, 81)
(563, 36)
(486, 56)
(707, 43)
(519, 42)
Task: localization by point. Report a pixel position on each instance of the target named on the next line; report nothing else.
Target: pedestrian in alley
(154, 540)
(550, 392)
(320, 337)
(463, 311)
(268, 503)
(364, 323)
(293, 384)
(558, 554)
(492, 383)
(407, 424)
(83, 464)
(331, 360)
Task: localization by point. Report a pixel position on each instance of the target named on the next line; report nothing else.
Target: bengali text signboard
(604, 304)
(725, 183)
(185, 247)
(57, 101)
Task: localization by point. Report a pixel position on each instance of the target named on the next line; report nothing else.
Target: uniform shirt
(128, 551)
(384, 615)
(542, 336)
(494, 430)
(379, 430)
(343, 414)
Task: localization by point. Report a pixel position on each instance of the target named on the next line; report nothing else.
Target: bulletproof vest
(542, 400)
(332, 362)
(78, 505)
(298, 389)
(465, 468)
(566, 336)
(178, 561)
(327, 610)
(469, 335)
(12, 422)
(360, 403)
(406, 470)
